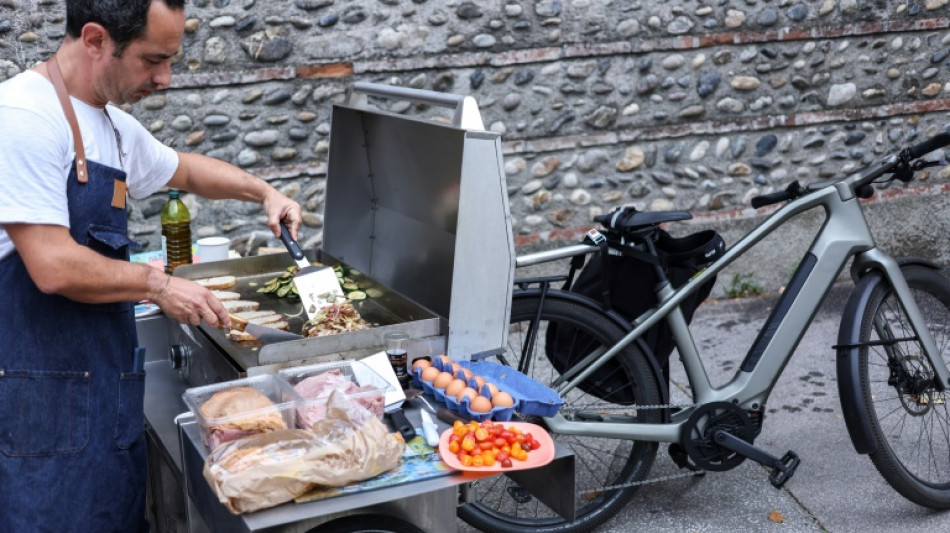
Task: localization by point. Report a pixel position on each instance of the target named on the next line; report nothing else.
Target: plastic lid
(173, 193)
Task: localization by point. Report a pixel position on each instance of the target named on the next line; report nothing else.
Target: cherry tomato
(506, 462)
(535, 444)
(486, 445)
(481, 434)
(489, 459)
(526, 446)
(501, 455)
(478, 460)
(468, 443)
(454, 446)
(467, 460)
(499, 442)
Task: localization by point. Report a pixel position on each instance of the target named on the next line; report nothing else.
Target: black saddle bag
(625, 280)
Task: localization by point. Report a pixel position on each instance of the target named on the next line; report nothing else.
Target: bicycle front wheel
(909, 416)
(498, 504)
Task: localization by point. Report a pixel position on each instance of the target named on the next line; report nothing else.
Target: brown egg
(468, 373)
(455, 369)
(420, 365)
(429, 374)
(479, 381)
(480, 404)
(442, 380)
(502, 399)
(492, 389)
(467, 391)
(454, 388)
(446, 361)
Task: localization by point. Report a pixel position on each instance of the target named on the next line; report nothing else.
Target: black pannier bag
(628, 286)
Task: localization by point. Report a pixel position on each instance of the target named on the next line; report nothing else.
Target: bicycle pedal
(784, 469)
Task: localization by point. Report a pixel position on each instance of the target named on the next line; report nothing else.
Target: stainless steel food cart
(415, 206)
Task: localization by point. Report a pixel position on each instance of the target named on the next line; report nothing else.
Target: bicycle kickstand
(782, 469)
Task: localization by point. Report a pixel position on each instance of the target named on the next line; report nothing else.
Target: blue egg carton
(497, 413)
(530, 397)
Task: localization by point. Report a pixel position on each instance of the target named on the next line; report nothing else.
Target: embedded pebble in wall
(616, 84)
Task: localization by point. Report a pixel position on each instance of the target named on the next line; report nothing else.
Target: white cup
(213, 248)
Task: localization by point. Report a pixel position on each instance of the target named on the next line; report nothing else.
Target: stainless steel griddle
(418, 207)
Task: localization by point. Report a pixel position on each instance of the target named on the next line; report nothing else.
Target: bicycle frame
(844, 234)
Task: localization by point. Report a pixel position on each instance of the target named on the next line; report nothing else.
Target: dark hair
(124, 19)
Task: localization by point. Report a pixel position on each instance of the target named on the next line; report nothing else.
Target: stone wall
(694, 105)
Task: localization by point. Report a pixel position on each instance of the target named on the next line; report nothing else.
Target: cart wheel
(367, 523)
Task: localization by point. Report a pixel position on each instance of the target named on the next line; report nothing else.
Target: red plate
(536, 458)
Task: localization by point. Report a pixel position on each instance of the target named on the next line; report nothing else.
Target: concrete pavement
(834, 489)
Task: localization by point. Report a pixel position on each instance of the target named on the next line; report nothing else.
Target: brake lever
(921, 164)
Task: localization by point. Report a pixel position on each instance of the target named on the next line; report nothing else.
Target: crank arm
(782, 469)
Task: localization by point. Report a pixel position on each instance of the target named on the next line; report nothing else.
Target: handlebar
(794, 190)
(937, 141)
(902, 167)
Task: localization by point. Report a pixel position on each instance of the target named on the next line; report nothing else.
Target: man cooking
(72, 449)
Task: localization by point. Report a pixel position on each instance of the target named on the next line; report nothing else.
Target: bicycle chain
(659, 479)
(648, 481)
(629, 407)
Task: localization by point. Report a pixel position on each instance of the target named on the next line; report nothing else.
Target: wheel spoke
(567, 333)
(911, 418)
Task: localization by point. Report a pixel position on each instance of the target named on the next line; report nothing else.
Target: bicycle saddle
(629, 219)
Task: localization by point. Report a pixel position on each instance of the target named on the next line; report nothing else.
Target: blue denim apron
(72, 445)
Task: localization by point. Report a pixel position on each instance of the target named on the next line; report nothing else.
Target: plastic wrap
(264, 470)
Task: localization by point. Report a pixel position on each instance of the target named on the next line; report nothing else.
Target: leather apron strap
(56, 76)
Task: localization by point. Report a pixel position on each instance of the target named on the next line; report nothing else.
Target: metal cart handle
(466, 116)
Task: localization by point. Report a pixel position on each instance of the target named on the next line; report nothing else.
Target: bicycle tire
(911, 427)
(493, 502)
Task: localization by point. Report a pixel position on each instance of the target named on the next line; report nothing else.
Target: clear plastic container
(371, 394)
(239, 423)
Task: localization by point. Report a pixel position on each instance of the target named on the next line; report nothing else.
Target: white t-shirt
(36, 152)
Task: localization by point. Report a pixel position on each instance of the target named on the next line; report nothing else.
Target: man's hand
(189, 303)
(280, 208)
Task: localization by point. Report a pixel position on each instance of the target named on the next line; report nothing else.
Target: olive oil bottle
(176, 232)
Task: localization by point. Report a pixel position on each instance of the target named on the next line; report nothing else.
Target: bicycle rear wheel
(910, 418)
(498, 504)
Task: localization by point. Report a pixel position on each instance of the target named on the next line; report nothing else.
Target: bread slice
(217, 282)
(236, 306)
(267, 320)
(283, 325)
(226, 295)
(240, 336)
(248, 315)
